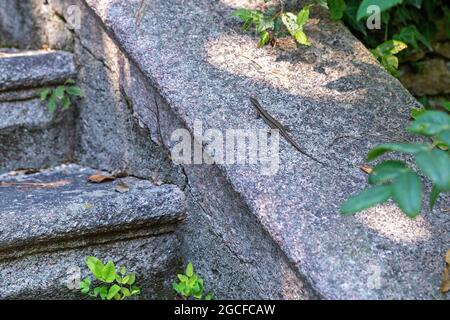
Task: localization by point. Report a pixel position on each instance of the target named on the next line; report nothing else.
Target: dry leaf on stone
(366, 168)
(445, 284)
(99, 178)
(121, 187)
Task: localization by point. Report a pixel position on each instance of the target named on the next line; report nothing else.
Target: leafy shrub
(112, 284)
(60, 95)
(395, 179)
(408, 27)
(190, 285)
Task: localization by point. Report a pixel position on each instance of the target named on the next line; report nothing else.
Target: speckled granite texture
(338, 103)
(52, 220)
(22, 69)
(30, 136)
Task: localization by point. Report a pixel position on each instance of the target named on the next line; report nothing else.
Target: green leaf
(51, 105)
(95, 266)
(366, 199)
(85, 285)
(436, 166)
(182, 278)
(430, 123)
(189, 270)
(412, 36)
(104, 292)
(126, 292)
(415, 112)
(290, 22)
(390, 47)
(243, 14)
(209, 296)
(264, 24)
(395, 147)
(135, 291)
(303, 16)
(264, 39)
(66, 102)
(59, 92)
(444, 137)
(75, 91)
(435, 192)
(302, 38)
(123, 270)
(109, 272)
(383, 4)
(407, 192)
(44, 93)
(387, 171)
(131, 279)
(69, 81)
(446, 105)
(115, 289)
(337, 9)
(96, 292)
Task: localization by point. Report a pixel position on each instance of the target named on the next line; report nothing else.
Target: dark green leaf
(366, 199)
(436, 166)
(445, 137)
(383, 4)
(395, 147)
(387, 171)
(59, 92)
(75, 91)
(337, 9)
(435, 192)
(430, 123)
(44, 93)
(407, 192)
(51, 105)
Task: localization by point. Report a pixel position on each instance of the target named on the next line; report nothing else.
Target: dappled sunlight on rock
(390, 222)
(281, 67)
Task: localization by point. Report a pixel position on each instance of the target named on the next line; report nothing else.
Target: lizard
(274, 124)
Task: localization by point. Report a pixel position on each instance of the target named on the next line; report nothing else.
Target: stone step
(33, 69)
(53, 219)
(30, 136)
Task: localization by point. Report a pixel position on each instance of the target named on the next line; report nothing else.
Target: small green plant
(386, 54)
(60, 95)
(413, 23)
(113, 285)
(275, 23)
(190, 285)
(395, 179)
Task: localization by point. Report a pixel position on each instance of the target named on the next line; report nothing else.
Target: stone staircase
(52, 220)
(249, 235)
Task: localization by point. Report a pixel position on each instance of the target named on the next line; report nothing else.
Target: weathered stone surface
(31, 24)
(22, 69)
(155, 260)
(74, 210)
(46, 232)
(31, 137)
(336, 99)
